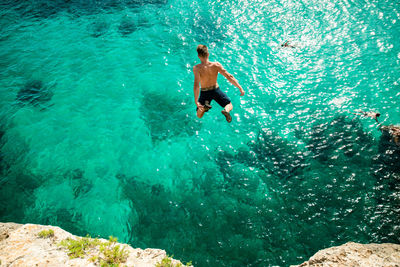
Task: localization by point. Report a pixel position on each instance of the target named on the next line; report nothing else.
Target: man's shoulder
(216, 64)
(196, 67)
(212, 64)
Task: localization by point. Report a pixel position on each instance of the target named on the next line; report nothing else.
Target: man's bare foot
(228, 116)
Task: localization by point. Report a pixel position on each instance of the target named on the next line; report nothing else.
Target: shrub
(167, 262)
(113, 254)
(78, 247)
(107, 253)
(46, 233)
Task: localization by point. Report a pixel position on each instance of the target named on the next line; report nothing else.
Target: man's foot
(228, 116)
(207, 106)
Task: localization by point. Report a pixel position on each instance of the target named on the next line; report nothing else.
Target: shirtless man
(392, 130)
(369, 114)
(286, 44)
(206, 73)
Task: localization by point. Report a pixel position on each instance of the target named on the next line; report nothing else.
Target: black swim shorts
(220, 97)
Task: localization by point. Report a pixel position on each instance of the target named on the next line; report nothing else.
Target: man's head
(202, 51)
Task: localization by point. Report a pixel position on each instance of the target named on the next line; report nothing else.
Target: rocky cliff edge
(40, 245)
(355, 254)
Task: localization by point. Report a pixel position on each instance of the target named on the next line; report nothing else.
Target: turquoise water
(99, 133)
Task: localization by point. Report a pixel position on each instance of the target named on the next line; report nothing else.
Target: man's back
(208, 73)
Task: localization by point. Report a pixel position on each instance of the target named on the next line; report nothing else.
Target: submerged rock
(269, 152)
(387, 160)
(128, 25)
(98, 28)
(140, 3)
(43, 9)
(79, 183)
(355, 254)
(132, 23)
(34, 93)
(339, 136)
(276, 155)
(2, 163)
(21, 245)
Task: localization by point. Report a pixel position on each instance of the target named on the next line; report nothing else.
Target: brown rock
(355, 254)
(6, 228)
(21, 246)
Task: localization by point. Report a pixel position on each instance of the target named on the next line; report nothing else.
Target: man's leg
(202, 99)
(200, 112)
(224, 101)
(228, 108)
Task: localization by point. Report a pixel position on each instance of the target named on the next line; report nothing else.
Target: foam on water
(99, 133)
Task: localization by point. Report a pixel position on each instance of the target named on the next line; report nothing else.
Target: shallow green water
(111, 143)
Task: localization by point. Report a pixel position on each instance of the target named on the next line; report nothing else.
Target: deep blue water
(99, 134)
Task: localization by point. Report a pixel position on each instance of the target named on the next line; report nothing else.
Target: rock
(34, 92)
(6, 228)
(98, 28)
(127, 26)
(355, 254)
(20, 245)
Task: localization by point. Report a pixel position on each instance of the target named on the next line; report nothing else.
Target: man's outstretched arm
(230, 78)
(196, 86)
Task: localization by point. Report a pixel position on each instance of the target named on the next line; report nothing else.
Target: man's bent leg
(228, 108)
(200, 112)
(203, 99)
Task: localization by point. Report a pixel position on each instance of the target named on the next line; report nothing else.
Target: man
(392, 130)
(206, 73)
(286, 44)
(369, 114)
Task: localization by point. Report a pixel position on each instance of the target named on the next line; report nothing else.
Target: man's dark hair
(202, 50)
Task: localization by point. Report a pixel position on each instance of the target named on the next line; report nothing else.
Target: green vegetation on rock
(46, 233)
(113, 253)
(77, 247)
(167, 262)
(104, 253)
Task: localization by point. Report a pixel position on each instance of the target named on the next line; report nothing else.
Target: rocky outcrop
(6, 228)
(22, 245)
(354, 254)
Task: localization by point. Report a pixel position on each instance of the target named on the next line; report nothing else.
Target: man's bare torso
(208, 73)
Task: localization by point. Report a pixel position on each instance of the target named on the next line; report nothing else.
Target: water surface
(99, 133)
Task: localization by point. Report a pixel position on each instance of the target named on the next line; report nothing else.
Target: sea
(99, 133)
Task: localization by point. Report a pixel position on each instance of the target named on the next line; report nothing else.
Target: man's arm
(196, 86)
(230, 78)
